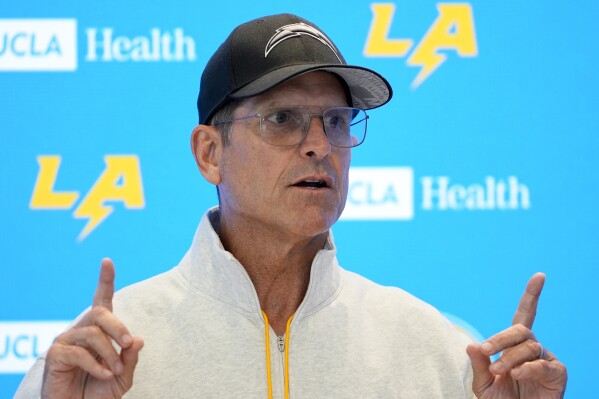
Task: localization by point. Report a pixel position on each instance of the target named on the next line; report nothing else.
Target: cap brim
(368, 89)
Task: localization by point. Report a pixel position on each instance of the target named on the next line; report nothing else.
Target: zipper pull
(281, 342)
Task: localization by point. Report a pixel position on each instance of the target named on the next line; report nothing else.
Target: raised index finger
(105, 288)
(527, 308)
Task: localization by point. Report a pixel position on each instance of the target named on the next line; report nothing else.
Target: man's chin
(318, 222)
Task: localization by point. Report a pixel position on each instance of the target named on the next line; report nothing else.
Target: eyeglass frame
(306, 126)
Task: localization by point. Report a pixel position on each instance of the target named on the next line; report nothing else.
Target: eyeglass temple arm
(236, 119)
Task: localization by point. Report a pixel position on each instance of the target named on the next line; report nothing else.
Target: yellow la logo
(452, 30)
(120, 181)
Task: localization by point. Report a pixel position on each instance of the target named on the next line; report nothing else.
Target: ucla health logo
(380, 194)
(51, 45)
(119, 182)
(387, 193)
(38, 45)
(22, 342)
(440, 193)
(106, 45)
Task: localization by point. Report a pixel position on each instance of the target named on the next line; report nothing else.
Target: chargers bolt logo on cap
(296, 30)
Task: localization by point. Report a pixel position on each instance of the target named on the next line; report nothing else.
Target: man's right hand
(82, 362)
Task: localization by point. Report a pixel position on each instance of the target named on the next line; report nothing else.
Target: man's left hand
(525, 369)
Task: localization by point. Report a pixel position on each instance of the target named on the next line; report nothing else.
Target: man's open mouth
(311, 183)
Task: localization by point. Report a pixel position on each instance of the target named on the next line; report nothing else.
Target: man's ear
(206, 146)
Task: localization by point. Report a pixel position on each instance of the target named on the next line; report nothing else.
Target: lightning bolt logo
(296, 30)
(95, 211)
(452, 30)
(120, 181)
(428, 60)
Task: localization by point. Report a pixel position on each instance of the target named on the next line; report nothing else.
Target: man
(259, 307)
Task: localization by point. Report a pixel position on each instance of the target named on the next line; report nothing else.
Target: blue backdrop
(485, 161)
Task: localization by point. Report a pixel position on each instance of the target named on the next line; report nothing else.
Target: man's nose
(316, 143)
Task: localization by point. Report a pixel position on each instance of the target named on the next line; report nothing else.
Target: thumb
(482, 377)
(129, 357)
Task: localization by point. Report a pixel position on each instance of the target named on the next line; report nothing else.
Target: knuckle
(99, 311)
(54, 351)
(562, 371)
(85, 331)
(95, 330)
(91, 334)
(533, 347)
(60, 338)
(509, 359)
(521, 329)
(555, 368)
(93, 314)
(121, 328)
(550, 370)
(71, 351)
(106, 320)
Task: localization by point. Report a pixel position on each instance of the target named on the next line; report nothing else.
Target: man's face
(271, 186)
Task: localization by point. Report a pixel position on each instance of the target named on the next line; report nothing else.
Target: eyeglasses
(288, 125)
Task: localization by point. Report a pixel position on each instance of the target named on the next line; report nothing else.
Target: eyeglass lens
(344, 126)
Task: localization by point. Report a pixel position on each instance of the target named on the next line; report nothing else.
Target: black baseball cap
(267, 51)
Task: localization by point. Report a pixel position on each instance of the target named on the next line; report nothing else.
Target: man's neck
(279, 266)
